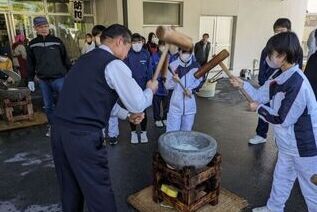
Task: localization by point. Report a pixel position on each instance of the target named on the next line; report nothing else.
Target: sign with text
(78, 10)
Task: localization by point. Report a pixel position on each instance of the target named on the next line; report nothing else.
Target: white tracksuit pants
(287, 169)
(176, 122)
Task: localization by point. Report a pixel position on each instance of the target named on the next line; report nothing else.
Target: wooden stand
(25, 105)
(196, 188)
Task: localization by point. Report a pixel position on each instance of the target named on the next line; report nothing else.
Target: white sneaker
(144, 138)
(159, 124)
(48, 132)
(261, 209)
(134, 137)
(257, 140)
(165, 122)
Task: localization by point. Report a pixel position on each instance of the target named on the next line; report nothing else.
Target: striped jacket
(292, 111)
(47, 58)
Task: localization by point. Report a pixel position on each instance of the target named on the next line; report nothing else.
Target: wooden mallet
(159, 67)
(170, 36)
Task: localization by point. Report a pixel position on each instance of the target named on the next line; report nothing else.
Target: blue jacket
(140, 65)
(161, 91)
(292, 111)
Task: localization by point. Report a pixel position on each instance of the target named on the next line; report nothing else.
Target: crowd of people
(142, 59)
(113, 79)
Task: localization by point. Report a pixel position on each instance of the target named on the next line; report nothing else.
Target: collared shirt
(119, 77)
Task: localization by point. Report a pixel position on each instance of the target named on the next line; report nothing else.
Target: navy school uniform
(141, 67)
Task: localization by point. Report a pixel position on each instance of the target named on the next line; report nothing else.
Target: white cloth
(287, 169)
(119, 77)
(177, 122)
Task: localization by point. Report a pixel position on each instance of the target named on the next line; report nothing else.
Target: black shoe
(113, 140)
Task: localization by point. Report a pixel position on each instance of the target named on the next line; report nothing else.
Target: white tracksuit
(182, 109)
(293, 115)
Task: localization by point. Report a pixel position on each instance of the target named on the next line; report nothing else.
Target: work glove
(31, 86)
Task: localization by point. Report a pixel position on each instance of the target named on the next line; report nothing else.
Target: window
(162, 13)
(58, 6)
(27, 5)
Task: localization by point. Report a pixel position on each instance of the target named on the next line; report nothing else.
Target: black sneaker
(113, 140)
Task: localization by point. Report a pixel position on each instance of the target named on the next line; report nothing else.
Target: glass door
(6, 33)
(23, 24)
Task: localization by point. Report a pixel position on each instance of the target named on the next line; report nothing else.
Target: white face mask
(155, 40)
(185, 57)
(137, 47)
(3, 59)
(272, 63)
(161, 48)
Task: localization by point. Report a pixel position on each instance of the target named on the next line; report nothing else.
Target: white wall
(255, 19)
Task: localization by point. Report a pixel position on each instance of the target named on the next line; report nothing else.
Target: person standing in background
(89, 44)
(139, 61)
(47, 59)
(19, 52)
(311, 44)
(202, 49)
(152, 43)
(96, 32)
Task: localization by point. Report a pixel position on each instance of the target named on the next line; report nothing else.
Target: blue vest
(86, 100)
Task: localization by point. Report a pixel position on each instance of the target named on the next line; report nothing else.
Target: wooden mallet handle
(186, 92)
(159, 66)
(244, 93)
(221, 56)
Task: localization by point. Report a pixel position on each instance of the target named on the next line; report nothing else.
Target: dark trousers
(48, 88)
(263, 127)
(81, 166)
(169, 96)
(143, 123)
(157, 102)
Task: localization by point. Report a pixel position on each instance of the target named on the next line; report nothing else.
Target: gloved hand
(31, 86)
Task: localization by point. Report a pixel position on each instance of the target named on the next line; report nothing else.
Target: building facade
(241, 26)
